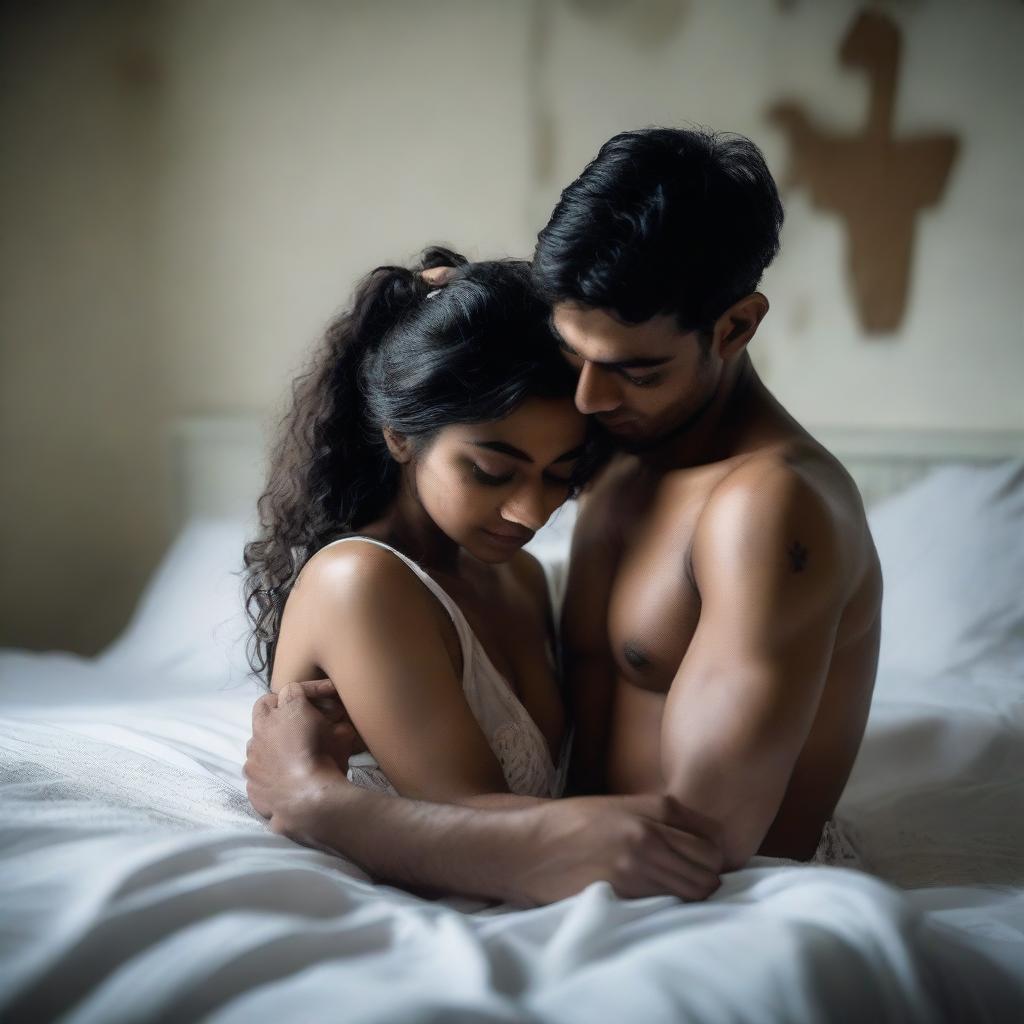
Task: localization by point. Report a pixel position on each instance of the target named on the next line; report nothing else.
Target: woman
(435, 434)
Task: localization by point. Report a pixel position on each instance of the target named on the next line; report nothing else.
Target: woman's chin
(494, 549)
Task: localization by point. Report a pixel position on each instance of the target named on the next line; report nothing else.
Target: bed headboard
(219, 462)
(884, 462)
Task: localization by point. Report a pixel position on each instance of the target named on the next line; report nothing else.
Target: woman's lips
(517, 539)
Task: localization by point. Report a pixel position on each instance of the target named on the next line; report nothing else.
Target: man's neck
(742, 416)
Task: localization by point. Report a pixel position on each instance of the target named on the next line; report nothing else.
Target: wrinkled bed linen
(138, 884)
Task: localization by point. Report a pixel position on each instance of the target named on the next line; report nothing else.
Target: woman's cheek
(451, 502)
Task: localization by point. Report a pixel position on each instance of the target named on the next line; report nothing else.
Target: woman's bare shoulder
(361, 573)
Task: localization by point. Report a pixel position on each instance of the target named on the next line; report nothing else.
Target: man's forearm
(475, 850)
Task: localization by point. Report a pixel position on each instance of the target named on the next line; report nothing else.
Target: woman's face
(490, 486)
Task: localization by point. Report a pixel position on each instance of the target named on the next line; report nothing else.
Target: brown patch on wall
(875, 182)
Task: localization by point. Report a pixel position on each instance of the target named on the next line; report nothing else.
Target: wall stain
(876, 183)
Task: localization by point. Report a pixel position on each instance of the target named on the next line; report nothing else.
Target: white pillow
(952, 553)
(189, 628)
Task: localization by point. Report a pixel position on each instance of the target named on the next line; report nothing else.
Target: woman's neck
(407, 527)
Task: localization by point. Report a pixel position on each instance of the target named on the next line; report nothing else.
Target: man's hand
(642, 845)
(323, 695)
(302, 739)
(438, 277)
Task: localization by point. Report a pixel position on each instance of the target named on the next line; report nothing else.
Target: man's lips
(613, 421)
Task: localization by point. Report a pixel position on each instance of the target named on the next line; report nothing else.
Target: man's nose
(595, 391)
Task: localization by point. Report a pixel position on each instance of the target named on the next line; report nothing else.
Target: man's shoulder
(790, 499)
(796, 479)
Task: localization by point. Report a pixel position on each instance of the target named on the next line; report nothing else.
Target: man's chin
(635, 446)
(631, 437)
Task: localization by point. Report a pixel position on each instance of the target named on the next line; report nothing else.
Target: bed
(137, 884)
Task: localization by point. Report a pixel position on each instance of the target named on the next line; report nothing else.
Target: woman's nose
(596, 391)
(528, 507)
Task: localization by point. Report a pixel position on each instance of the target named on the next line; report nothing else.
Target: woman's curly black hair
(414, 359)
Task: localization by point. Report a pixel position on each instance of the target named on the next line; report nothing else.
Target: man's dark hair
(663, 221)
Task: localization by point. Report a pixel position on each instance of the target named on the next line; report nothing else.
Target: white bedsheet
(136, 883)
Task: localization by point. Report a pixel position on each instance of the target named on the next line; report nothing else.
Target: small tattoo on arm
(798, 556)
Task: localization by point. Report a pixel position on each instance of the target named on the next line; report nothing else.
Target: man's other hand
(301, 740)
(647, 845)
(323, 695)
(438, 277)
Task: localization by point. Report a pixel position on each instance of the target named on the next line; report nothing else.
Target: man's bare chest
(654, 603)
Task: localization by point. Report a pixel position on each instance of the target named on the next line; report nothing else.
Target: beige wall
(80, 401)
(190, 188)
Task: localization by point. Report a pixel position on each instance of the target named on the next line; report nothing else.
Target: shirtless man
(722, 617)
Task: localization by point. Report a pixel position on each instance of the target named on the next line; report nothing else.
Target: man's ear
(738, 324)
(398, 444)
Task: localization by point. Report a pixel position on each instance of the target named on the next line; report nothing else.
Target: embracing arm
(768, 563)
(407, 703)
(525, 855)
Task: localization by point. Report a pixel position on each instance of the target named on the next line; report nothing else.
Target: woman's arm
(374, 628)
(532, 853)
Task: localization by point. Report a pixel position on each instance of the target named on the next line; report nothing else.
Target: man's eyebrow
(507, 449)
(639, 362)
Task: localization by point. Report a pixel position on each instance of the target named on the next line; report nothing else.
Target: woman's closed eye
(487, 478)
(492, 480)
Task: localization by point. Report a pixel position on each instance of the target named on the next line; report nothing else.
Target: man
(722, 615)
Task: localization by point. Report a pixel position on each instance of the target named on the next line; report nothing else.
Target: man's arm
(532, 853)
(768, 564)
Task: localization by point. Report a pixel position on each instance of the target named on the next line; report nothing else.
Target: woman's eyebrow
(516, 453)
